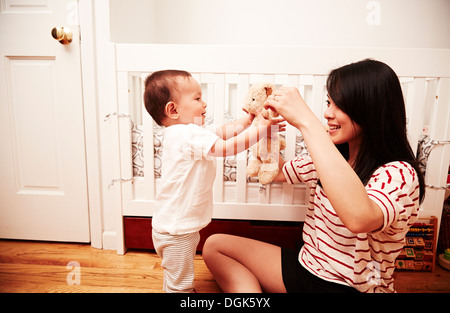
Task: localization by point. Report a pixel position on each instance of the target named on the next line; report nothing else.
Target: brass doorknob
(63, 35)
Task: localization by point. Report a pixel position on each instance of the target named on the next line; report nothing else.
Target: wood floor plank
(42, 267)
(32, 267)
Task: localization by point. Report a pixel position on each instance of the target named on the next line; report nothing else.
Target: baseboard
(109, 240)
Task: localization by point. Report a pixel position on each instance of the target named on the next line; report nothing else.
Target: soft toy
(264, 160)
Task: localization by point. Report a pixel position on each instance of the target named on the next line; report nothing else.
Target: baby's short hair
(160, 88)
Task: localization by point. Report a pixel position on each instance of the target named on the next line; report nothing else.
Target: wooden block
(409, 264)
(418, 266)
(419, 242)
(410, 252)
(419, 254)
(410, 242)
(400, 264)
(427, 255)
(427, 266)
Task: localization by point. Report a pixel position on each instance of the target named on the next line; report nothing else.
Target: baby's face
(191, 107)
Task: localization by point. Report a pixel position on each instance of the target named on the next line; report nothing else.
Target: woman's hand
(288, 102)
(273, 125)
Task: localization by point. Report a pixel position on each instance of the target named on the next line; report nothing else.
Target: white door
(43, 185)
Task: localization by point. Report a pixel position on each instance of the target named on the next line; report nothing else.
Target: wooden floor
(42, 267)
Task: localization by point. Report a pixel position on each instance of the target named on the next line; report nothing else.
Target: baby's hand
(249, 117)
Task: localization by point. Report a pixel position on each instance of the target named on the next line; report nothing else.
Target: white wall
(133, 21)
(362, 23)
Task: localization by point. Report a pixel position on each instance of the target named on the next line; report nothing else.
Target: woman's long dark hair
(369, 92)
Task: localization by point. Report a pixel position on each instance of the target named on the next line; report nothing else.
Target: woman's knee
(212, 245)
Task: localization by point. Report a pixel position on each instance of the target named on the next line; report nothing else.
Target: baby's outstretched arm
(234, 128)
(245, 140)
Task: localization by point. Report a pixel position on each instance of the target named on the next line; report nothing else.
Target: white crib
(225, 74)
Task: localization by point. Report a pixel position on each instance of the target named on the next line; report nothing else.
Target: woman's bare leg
(244, 265)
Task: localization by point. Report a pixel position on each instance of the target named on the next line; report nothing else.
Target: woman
(365, 190)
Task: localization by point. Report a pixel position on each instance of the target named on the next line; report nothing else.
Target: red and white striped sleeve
(301, 169)
(394, 187)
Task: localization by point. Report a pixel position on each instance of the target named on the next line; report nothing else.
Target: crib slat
(226, 107)
(136, 83)
(415, 111)
(317, 104)
(230, 95)
(149, 161)
(439, 120)
(430, 98)
(264, 195)
(289, 153)
(206, 79)
(126, 164)
(241, 158)
(149, 175)
(218, 104)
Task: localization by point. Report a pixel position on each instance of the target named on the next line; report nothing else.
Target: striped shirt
(365, 261)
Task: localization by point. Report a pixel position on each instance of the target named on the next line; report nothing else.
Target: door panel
(34, 142)
(43, 190)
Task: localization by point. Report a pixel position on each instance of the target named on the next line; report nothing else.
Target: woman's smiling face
(341, 128)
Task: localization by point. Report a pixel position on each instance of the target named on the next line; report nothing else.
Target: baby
(184, 203)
